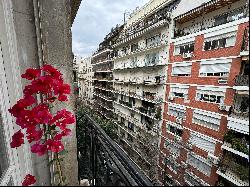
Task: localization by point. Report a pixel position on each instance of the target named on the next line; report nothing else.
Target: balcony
(245, 44)
(149, 97)
(236, 143)
(102, 78)
(102, 161)
(157, 20)
(101, 51)
(153, 113)
(238, 119)
(242, 80)
(234, 169)
(218, 20)
(147, 81)
(139, 51)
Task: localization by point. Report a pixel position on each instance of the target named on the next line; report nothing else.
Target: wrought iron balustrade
(102, 161)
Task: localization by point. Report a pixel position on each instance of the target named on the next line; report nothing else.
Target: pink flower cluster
(32, 116)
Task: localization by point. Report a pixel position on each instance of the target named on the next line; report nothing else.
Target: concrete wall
(19, 50)
(57, 41)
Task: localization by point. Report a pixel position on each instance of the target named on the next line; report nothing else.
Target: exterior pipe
(41, 63)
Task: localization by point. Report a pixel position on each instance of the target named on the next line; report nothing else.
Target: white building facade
(85, 76)
(139, 76)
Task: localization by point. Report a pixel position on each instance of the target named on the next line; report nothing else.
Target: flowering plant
(43, 129)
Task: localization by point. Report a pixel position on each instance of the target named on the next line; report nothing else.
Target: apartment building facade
(140, 63)
(85, 75)
(102, 67)
(205, 130)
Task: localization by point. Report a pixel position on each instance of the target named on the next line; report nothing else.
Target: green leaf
(63, 152)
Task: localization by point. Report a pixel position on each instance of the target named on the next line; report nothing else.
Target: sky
(94, 20)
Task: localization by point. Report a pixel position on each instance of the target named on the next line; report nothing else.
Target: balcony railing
(102, 161)
(235, 169)
(242, 80)
(152, 98)
(227, 17)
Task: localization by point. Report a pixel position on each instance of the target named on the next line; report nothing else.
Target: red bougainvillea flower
(31, 73)
(29, 180)
(41, 114)
(34, 135)
(17, 139)
(39, 149)
(18, 108)
(29, 90)
(63, 98)
(61, 89)
(52, 71)
(43, 84)
(47, 82)
(55, 145)
(65, 132)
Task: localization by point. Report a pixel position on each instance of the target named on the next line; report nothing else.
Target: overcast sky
(94, 20)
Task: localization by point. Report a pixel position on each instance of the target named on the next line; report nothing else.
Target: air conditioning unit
(212, 159)
(187, 55)
(179, 120)
(222, 81)
(224, 107)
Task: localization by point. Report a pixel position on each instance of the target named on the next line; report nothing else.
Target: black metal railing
(102, 161)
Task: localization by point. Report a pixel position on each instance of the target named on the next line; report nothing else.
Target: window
(153, 41)
(176, 110)
(180, 91)
(207, 119)
(173, 149)
(210, 94)
(130, 138)
(220, 68)
(187, 48)
(131, 126)
(175, 130)
(222, 41)
(134, 47)
(200, 164)
(171, 165)
(122, 120)
(152, 59)
(202, 141)
(221, 19)
(181, 69)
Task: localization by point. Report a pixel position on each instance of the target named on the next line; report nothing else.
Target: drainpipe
(38, 32)
(41, 63)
